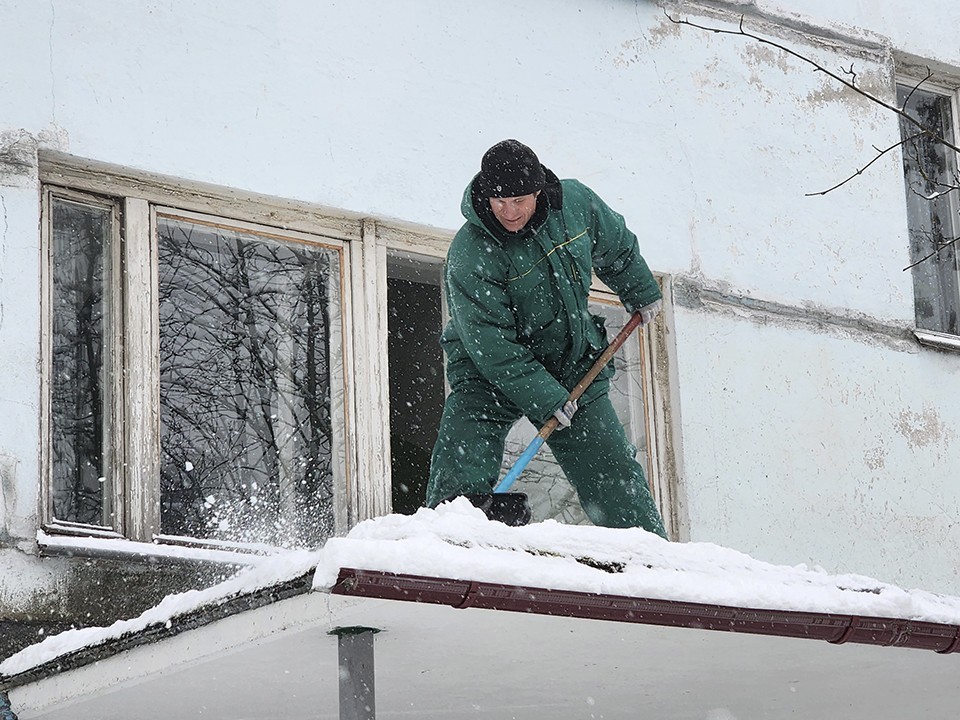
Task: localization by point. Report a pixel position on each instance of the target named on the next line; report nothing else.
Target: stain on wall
(8, 495)
(924, 429)
(18, 158)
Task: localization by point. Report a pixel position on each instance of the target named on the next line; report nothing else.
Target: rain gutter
(834, 628)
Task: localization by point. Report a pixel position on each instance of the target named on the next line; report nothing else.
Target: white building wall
(19, 338)
(813, 429)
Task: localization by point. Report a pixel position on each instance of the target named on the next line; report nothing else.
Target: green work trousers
(593, 453)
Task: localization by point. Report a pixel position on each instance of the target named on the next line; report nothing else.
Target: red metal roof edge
(834, 628)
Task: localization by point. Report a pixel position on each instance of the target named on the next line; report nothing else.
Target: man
(520, 335)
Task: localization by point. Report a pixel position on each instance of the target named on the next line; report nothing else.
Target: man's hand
(649, 312)
(564, 413)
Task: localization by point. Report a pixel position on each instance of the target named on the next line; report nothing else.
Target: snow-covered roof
(457, 542)
(285, 640)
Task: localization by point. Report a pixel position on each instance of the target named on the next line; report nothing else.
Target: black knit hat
(510, 169)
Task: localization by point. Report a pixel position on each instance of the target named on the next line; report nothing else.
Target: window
(931, 180)
(195, 383)
(416, 367)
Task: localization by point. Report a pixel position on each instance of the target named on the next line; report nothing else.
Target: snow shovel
(513, 508)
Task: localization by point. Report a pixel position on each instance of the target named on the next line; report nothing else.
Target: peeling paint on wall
(876, 458)
(666, 29)
(630, 53)
(763, 56)
(923, 429)
(18, 158)
(8, 493)
(18, 154)
(874, 83)
(18, 517)
(695, 293)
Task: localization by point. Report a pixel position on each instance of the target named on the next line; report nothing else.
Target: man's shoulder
(467, 239)
(576, 193)
(473, 247)
(581, 200)
(569, 183)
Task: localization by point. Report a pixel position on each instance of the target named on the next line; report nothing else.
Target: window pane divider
(141, 372)
(370, 492)
(663, 414)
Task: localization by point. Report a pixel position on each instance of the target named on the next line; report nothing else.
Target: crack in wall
(3, 246)
(6, 225)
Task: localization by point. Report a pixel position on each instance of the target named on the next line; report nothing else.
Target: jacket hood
(477, 210)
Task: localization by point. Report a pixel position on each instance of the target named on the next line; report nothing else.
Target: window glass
(626, 387)
(930, 171)
(249, 330)
(80, 237)
(549, 492)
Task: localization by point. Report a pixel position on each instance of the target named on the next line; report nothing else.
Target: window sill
(938, 340)
(54, 544)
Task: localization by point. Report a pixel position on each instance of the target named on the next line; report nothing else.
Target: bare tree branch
(940, 247)
(916, 87)
(880, 154)
(850, 72)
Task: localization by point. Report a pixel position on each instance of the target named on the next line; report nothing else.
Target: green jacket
(518, 305)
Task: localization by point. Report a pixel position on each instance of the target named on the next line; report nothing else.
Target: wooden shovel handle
(581, 387)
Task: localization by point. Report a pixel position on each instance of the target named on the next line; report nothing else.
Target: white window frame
(114, 445)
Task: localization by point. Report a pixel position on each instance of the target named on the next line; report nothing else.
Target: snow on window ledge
(115, 548)
(938, 340)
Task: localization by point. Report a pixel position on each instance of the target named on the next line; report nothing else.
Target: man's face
(514, 212)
